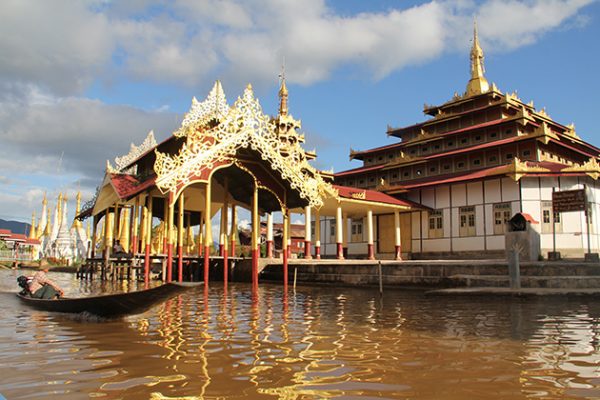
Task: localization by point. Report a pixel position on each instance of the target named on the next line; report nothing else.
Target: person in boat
(119, 251)
(41, 287)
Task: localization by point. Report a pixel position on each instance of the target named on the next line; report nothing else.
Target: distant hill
(15, 226)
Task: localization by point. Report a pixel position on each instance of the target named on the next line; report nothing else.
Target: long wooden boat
(111, 305)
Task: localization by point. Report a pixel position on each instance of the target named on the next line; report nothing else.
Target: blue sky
(80, 81)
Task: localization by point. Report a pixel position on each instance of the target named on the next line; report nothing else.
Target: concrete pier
(438, 273)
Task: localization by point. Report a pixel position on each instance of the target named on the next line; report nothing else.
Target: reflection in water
(314, 343)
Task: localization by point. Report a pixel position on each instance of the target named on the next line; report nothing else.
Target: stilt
(398, 248)
(207, 232)
(171, 211)
(286, 234)
(255, 233)
(307, 233)
(269, 235)
(180, 229)
(339, 234)
(370, 247)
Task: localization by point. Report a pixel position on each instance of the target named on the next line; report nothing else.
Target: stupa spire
(32, 230)
(477, 84)
(76, 222)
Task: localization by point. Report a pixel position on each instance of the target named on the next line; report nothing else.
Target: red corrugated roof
(127, 185)
(371, 195)
(568, 146)
(455, 177)
(16, 237)
(5, 232)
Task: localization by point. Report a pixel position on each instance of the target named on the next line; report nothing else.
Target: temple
(476, 161)
(160, 200)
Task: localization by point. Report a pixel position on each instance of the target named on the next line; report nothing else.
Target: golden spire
(32, 231)
(76, 222)
(59, 205)
(477, 84)
(283, 94)
(47, 229)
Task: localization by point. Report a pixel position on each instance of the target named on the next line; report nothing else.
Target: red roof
(372, 195)
(5, 232)
(359, 169)
(561, 143)
(457, 131)
(16, 237)
(455, 177)
(398, 131)
(474, 148)
(32, 241)
(128, 185)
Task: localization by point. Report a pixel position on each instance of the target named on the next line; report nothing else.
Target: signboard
(570, 200)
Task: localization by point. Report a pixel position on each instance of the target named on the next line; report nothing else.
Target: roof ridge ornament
(245, 126)
(134, 153)
(477, 84)
(201, 114)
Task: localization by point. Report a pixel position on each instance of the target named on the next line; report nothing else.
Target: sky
(81, 80)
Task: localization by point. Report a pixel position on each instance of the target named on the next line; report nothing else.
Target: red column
(147, 265)
(318, 252)
(180, 263)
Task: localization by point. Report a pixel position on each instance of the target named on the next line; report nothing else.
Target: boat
(110, 305)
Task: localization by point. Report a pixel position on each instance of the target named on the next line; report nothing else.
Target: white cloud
(71, 136)
(64, 46)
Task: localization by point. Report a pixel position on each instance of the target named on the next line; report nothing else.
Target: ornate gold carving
(517, 169)
(201, 114)
(244, 126)
(571, 131)
(590, 168)
(362, 195)
(135, 151)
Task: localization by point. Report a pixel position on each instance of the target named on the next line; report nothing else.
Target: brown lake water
(316, 343)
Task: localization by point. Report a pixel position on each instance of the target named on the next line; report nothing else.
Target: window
(432, 169)
(395, 175)
(406, 174)
(549, 217)
(508, 132)
(390, 156)
(492, 159)
(467, 221)
(436, 147)
(502, 214)
(464, 141)
(477, 162)
(509, 156)
(380, 158)
(332, 231)
(357, 230)
(526, 153)
(493, 134)
(478, 138)
(425, 148)
(449, 144)
(418, 172)
(460, 165)
(446, 167)
(436, 224)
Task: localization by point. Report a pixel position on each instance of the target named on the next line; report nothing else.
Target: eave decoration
(134, 153)
(591, 168)
(517, 169)
(215, 132)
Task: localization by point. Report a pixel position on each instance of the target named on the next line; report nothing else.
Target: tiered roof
(487, 122)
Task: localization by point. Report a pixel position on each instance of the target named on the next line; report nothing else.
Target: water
(322, 342)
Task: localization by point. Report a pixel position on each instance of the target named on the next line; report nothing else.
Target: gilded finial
(283, 92)
(477, 84)
(45, 200)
